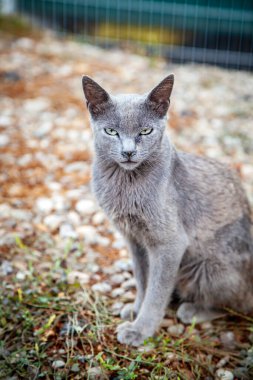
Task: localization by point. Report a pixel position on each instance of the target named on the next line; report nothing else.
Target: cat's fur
(186, 218)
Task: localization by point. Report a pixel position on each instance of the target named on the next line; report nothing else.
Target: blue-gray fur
(185, 218)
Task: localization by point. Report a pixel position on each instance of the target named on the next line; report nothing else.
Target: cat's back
(210, 194)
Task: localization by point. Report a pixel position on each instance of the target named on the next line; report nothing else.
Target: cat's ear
(97, 98)
(159, 98)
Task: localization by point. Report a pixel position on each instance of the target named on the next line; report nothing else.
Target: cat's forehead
(125, 102)
(129, 108)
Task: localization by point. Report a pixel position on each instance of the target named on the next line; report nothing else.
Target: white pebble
(96, 373)
(228, 339)
(98, 218)
(129, 296)
(116, 308)
(75, 276)
(5, 121)
(34, 106)
(104, 241)
(43, 129)
(86, 207)
(223, 374)
(176, 330)
(77, 166)
(88, 233)
(119, 244)
(123, 265)
(4, 140)
(74, 218)
(117, 279)
(58, 364)
(117, 292)
(44, 205)
(53, 221)
(102, 287)
(67, 231)
(129, 284)
(20, 276)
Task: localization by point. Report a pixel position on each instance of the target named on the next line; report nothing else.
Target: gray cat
(185, 218)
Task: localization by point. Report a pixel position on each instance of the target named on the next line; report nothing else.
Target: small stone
(98, 218)
(44, 205)
(117, 278)
(126, 275)
(129, 284)
(228, 339)
(116, 308)
(109, 270)
(34, 106)
(123, 265)
(75, 368)
(166, 322)
(25, 159)
(66, 231)
(5, 121)
(6, 268)
(129, 296)
(221, 363)
(223, 374)
(75, 276)
(206, 326)
(53, 222)
(60, 203)
(58, 364)
(76, 167)
(117, 292)
(170, 357)
(88, 233)
(176, 330)
(146, 348)
(102, 287)
(119, 243)
(74, 218)
(43, 129)
(104, 241)
(4, 140)
(20, 276)
(86, 207)
(74, 194)
(96, 373)
(123, 253)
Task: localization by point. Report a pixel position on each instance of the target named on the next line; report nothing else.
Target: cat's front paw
(128, 312)
(129, 333)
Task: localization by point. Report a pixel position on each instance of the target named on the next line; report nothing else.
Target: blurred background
(218, 32)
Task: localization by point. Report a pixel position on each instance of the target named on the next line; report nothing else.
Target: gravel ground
(46, 151)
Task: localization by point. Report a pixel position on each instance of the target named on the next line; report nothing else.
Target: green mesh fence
(218, 32)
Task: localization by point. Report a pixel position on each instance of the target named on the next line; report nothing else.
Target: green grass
(43, 319)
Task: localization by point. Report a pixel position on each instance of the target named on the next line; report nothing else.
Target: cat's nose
(128, 154)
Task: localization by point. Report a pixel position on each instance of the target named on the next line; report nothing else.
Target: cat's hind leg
(188, 313)
(207, 286)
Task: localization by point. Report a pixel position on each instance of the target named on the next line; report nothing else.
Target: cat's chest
(128, 204)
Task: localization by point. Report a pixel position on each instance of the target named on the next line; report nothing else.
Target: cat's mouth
(128, 164)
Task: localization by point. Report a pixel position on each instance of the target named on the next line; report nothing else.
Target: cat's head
(128, 129)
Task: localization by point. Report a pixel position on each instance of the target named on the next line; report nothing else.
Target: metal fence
(218, 32)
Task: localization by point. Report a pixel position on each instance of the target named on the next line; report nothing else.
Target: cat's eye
(111, 131)
(146, 131)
